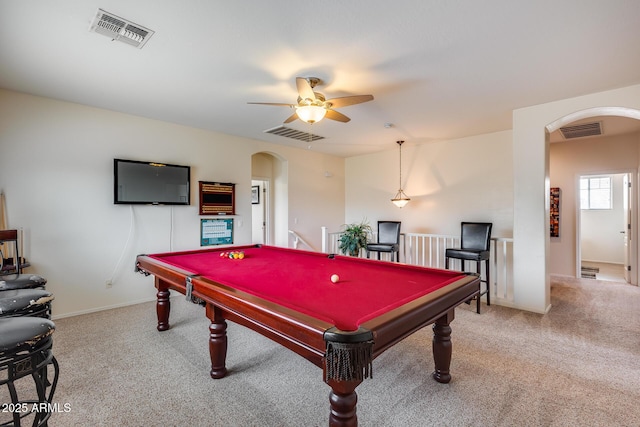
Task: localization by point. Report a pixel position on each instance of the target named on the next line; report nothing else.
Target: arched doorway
(531, 128)
(601, 144)
(592, 150)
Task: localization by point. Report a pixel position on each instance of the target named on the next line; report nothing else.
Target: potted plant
(354, 237)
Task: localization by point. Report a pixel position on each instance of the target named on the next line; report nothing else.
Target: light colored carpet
(579, 365)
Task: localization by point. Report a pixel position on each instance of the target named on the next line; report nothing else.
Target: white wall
(328, 178)
(468, 179)
(569, 160)
(56, 169)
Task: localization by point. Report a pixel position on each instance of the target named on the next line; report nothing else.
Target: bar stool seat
(25, 302)
(21, 281)
(25, 350)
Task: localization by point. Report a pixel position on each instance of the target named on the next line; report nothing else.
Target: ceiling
(437, 69)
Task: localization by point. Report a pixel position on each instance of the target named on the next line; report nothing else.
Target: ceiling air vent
(580, 131)
(119, 29)
(294, 134)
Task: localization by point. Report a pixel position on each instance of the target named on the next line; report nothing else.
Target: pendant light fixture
(400, 199)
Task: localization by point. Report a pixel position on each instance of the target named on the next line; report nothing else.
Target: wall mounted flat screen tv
(149, 183)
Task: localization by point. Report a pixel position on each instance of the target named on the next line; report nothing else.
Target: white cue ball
(335, 278)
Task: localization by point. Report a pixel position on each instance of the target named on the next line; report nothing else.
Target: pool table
(288, 296)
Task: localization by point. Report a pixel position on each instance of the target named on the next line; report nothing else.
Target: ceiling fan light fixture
(311, 107)
(311, 113)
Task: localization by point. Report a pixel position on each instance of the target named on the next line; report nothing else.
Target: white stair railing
(297, 239)
(428, 250)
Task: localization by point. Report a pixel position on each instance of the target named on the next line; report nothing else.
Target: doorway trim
(631, 113)
(270, 166)
(265, 205)
(633, 204)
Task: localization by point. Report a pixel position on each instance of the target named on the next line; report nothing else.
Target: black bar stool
(25, 350)
(25, 302)
(475, 244)
(21, 281)
(388, 239)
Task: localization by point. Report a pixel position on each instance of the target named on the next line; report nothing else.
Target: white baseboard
(108, 307)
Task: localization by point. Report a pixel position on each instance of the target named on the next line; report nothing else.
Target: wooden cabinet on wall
(217, 198)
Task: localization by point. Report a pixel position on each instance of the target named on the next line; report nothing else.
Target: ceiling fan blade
(278, 104)
(305, 91)
(291, 118)
(334, 115)
(349, 100)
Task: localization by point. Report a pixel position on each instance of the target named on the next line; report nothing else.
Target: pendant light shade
(400, 199)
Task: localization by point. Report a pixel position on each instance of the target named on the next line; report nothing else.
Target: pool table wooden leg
(343, 399)
(217, 341)
(442, 347)
(163, 305)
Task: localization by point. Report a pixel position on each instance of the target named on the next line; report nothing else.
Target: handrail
(297, 239)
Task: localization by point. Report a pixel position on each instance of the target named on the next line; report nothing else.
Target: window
(595, 192)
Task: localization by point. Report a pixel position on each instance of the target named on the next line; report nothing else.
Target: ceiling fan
(313, 106)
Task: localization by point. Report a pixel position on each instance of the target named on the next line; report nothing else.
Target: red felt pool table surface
(288, 296)
(301, 280)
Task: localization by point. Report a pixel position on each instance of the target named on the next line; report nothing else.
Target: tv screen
(150, 183)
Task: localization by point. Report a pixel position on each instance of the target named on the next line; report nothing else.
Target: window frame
(590, 190)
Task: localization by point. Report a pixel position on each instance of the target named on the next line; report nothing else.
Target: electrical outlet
(108, 283)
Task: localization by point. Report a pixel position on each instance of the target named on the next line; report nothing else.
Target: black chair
(388, 239)
(475, 241)
(25, 350)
